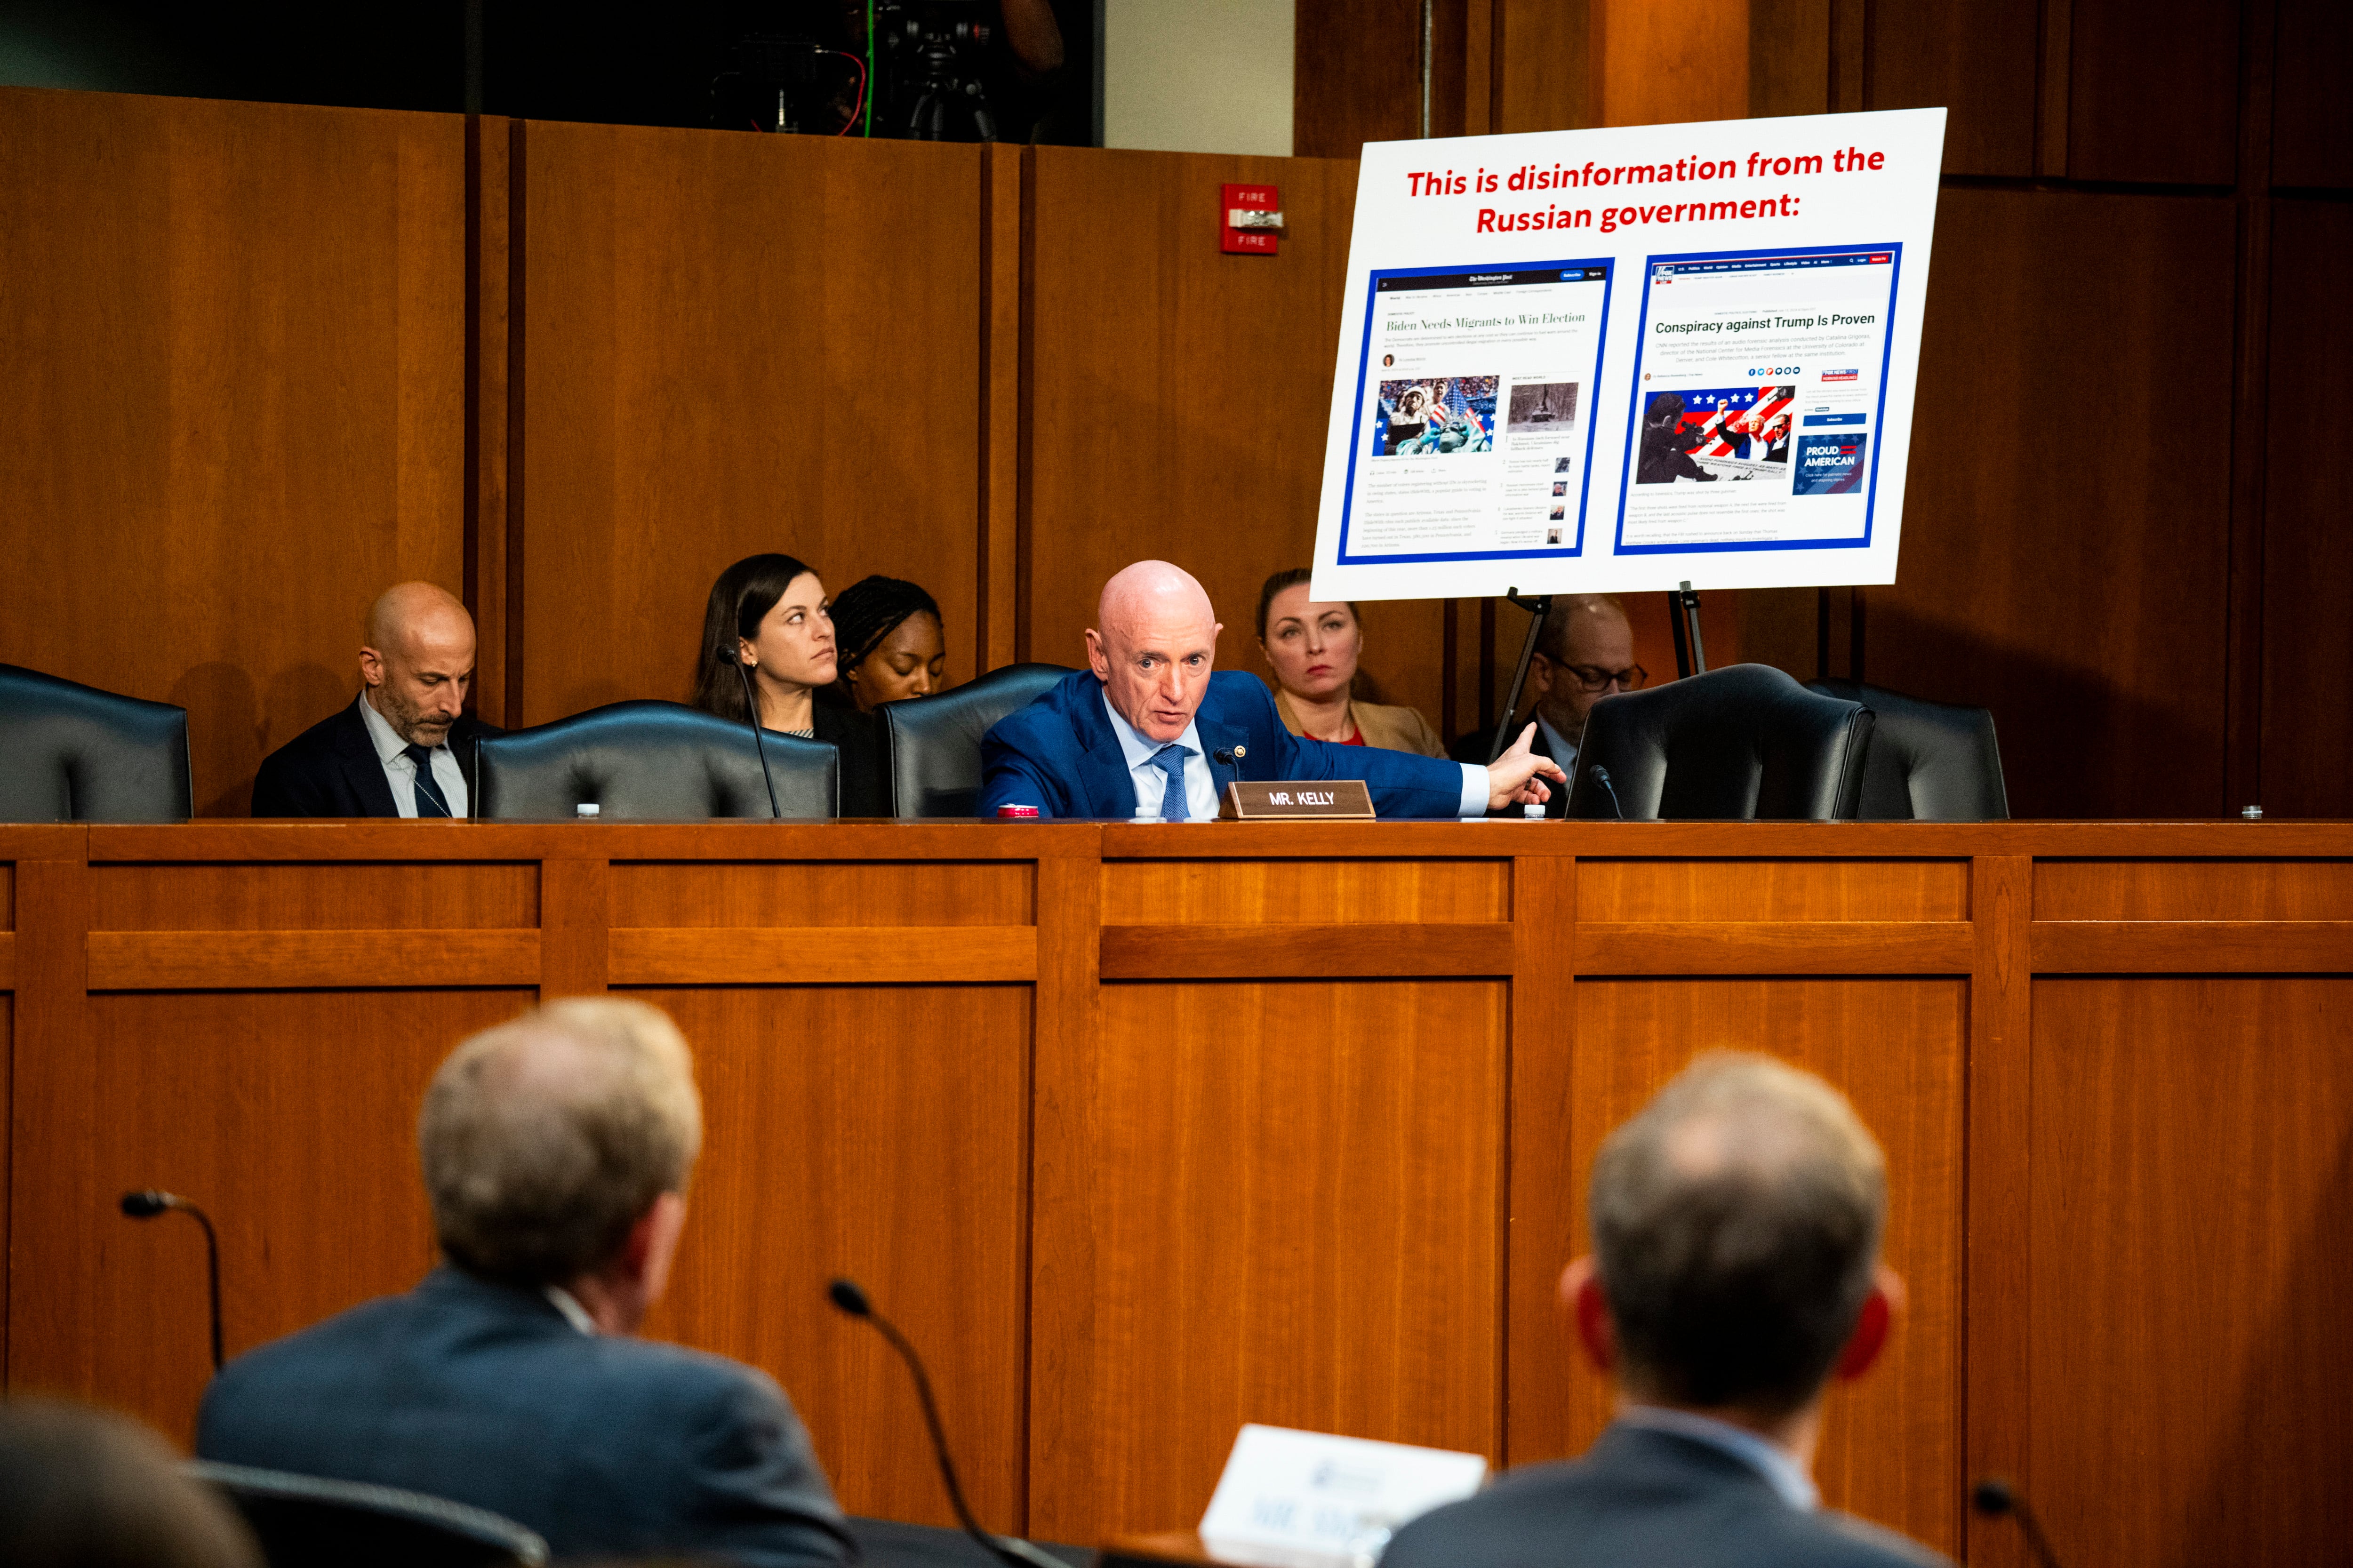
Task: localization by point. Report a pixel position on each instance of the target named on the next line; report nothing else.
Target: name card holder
(1295, 800)
(1310, 1499)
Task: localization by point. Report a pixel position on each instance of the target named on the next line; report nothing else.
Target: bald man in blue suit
(1151, 730)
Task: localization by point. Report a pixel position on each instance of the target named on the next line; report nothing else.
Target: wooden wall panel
(2099, 647)
(231, 399)
(1359, 77)
(1891, 1448)
(738, 343)
(1179, 397)
(1542, 72)
(291, 1117)
(878, 1133)
(2308, 562)
(2312, 137)
(2193, 1263)
(1976, 58)
(2153, 91)
(1662, 65)
(1292, 1194)
(1291, 893)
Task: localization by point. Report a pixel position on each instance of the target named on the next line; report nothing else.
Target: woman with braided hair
(891, 645)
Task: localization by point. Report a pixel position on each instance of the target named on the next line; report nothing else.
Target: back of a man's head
(1737, 1221)
(546, 1139)
(84, 1489)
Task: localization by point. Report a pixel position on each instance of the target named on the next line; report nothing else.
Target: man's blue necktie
(1170, 760)
(429, 801)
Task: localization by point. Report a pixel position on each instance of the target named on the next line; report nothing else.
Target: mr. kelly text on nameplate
(1297, 800)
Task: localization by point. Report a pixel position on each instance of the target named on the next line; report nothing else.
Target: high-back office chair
(70, 752)
(1744, 742)
(1928, 762)
(933, 744)
(307, 1522)
(651, 760)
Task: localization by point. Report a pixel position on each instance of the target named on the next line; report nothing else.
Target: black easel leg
(1539, 610)
(1682, 642)
(1691, 627)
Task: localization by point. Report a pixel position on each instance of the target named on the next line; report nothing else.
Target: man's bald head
(1586, 636)
(418, 661)
(1154, 644)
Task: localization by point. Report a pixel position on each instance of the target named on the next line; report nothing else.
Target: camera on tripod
(931, 56)
(931, 68)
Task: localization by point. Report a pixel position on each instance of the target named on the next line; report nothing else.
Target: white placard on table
(1310, 1499)
(1609, 361)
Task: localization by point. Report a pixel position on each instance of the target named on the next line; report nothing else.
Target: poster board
(1620, 360)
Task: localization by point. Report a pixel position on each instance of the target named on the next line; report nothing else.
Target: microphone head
(848, 1298)
(1992, 1496)
(1600, 775)
(146, 1202)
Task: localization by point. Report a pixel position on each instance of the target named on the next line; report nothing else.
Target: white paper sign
(1304, 1500)
(1609, 361)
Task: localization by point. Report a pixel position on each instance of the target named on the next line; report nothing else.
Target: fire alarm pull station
(1252, 220)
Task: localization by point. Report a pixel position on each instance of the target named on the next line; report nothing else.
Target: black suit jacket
(1639, 1498)
(1472, 748)
(331, 770)
(485, 1394)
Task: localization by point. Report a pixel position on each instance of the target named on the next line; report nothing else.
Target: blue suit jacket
(485, 1394)
(1062, 755)
(1641, 1497)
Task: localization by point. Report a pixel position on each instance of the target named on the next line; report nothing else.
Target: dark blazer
(331, 770)
(1062, 755)
(1472, 748)
(1640, 1498)
(859, 738)
(485, 1394)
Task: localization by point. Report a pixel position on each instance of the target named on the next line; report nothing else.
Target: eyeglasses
(1588, 678)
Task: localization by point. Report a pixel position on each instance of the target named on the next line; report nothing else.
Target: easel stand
(1537, 609)
(1683, 614)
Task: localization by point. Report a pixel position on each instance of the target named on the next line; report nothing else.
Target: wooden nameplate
(1316, 800)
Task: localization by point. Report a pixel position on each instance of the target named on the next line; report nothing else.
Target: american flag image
(1460, 407)
(1712, 413)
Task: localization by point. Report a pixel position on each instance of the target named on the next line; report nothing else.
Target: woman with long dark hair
(768, 620)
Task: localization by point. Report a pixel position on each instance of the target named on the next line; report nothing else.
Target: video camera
(930, 66)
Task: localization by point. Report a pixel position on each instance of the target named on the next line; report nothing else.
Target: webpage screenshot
(1759, 385)
(1474, 413)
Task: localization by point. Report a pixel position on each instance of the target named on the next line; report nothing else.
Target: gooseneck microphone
(752, 707)
(149, 1202)
(850, 1300)
(1600, 775)
(1994, 1497)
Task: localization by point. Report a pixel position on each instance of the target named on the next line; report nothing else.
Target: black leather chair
(1745, 742)
(308, 1521)
(74, 753)
(651, 760)
(932, 744)
(1929, 761)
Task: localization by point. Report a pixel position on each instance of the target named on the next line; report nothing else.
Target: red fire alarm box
(1249, 219)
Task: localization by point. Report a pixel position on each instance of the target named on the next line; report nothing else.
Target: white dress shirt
(1202, 785)
(401, 773)
(1775, 1463)
(1151, 782)
(574, 1312)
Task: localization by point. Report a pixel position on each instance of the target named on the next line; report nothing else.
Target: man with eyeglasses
(1587, 653)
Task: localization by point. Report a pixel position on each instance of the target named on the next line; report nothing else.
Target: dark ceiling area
(627, 64)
